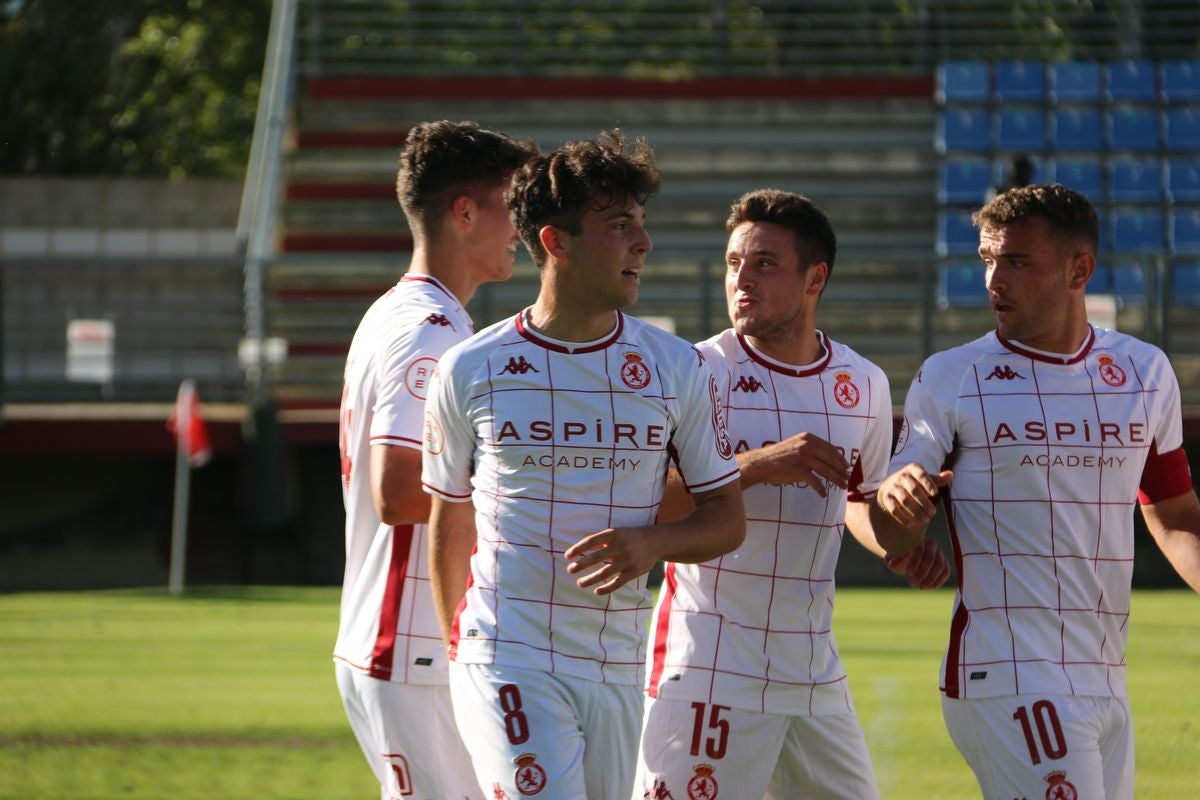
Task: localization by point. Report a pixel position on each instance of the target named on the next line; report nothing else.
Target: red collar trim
(1051, 358)
(790, 369)
(569, 347)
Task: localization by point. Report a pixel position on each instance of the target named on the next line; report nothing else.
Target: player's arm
(925, 566)
(396, 485)
(1175, 525)
(611, 558)
(451, 540)
(903, 507)
(802, 458)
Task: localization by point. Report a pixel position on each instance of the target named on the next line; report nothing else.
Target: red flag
(186, 417)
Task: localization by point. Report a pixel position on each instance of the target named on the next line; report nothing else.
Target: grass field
(229, 694)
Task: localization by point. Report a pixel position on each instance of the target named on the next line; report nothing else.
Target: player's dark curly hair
(815, 239)
(1070, 215)
(559, 187)
(443, 160)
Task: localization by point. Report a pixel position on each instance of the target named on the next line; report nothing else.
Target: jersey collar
(1051, 358)
(541, 340)
(790, 369)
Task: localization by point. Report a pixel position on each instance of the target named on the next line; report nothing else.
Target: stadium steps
(868, 163)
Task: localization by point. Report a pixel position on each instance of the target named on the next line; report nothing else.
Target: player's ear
(1080, 270)
(464, 210)
(552, 241)
(815, 278)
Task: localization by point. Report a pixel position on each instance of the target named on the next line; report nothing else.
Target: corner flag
(187, 421)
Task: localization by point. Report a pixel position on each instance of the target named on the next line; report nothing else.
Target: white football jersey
(554, 441)
(1048, 452)
(753, 628)
(388, 627)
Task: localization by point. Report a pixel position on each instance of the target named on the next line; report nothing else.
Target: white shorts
(537, 733)
(408, 736)
(695, 751)
(1060, 747)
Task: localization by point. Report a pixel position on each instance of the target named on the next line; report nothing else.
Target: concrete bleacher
(864, 157)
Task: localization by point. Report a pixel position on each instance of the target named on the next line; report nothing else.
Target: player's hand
(908, 495)
(805, 457)
(611, 558)
(925, 565)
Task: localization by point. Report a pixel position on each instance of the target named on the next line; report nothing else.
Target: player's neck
(566, 323)
(799, 350)
(456, 277)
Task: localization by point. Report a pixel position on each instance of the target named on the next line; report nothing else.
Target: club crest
(634, 373)
(844, 391)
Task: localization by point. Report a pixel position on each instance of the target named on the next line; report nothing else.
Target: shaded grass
(230, 694)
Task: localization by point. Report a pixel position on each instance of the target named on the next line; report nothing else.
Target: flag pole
(183, 477)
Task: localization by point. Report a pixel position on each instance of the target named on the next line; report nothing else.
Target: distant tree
(129, 87)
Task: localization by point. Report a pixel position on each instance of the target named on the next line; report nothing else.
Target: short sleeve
(405, 372)
(703, 451)
(449, 437)
(926, 434)
(872, 464)
(1166, 473)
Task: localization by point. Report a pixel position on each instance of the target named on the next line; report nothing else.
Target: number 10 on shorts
(1049, 731)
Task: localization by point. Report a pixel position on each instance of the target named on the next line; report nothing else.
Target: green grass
(229, 694)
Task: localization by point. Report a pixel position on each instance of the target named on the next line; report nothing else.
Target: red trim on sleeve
(1165, 475)
(389, 610)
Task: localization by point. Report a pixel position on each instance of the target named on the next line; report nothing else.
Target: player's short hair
(558, 188)
(444, 160)
(815, 239)
(1070, 215)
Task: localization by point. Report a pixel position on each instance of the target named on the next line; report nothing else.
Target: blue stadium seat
(1020, 81)
(1082, 175)
(964, 129)
(1181, 81)
(956, 234)
(1042, 168)
(1132, 80)
(1185, 284)
(1183, 129)
(1129, 282)
(1183, 180)
(1021, 129)
(964, 180)
(1136, 180)
(963, 81)
(1185, 230)
(1075, 81)
(1133, 129)
(1137, 231)
(1076, 129)
(960, 285)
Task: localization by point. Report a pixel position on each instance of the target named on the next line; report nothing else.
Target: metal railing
(726, 38)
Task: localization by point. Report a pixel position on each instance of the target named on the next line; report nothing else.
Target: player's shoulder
(1119, 343)
(843, 356)
(723, 347)
(949, 367)
(480, 345)
(667, 346)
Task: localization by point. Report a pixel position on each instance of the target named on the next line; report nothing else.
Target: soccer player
(390, 664)
(747, 694)
(1039, 437)
(547, 442)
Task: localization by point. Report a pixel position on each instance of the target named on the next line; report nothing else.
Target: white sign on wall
(90, 350)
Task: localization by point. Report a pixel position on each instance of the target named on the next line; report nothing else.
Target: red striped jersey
(553, 441)
(1049, 454)
(752, 629)
(388, 628)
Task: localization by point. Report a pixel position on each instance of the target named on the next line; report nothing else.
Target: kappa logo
(1060, 788)
(529, 776)
(659, 792)
(1110, 373)
(518, 366)
(750, 384)
(498, 792)
(703, 786)
(438, 319)
(1006, 374)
